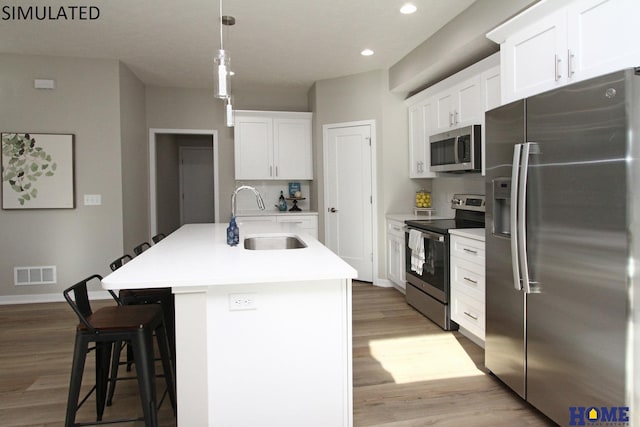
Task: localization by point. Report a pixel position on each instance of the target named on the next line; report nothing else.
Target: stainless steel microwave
(457, 150)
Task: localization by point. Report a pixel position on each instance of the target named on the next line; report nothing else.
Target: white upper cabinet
(421, 120)
(602, 37)
(292, 152)
(272, 145)
(459, 106)
(554, 43)
(457, 101)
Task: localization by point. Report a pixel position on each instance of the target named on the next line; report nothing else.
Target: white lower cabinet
(468, 285)
(308, 223)
(395, 252)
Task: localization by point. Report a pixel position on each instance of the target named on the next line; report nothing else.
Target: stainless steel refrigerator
(563, 184)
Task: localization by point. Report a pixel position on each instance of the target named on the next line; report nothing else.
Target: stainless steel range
(427, 257)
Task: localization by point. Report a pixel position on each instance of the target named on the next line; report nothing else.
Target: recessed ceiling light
(366, 52)
(408, 8)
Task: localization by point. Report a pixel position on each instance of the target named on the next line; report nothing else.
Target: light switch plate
(92, 199)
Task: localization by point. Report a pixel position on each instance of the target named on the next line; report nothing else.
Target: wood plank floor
(407, 371)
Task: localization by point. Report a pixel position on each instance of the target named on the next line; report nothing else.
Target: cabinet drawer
(301, 221)
(395, 228)
(468, 249)
(259, 218)
(468, 313)
(307, 223)
(468, 278)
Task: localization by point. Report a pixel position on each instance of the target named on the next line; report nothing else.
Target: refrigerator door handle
(515, 255)
(527, 149)
(522, 220)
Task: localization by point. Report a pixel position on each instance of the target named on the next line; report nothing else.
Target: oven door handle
(432, 236)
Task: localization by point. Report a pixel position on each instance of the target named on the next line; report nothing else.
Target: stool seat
(125, 317)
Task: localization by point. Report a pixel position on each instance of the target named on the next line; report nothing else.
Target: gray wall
(174, 108)
(168, 176)
(86, 103)
(167, 183)
(366, 97)
(135, 160)
(458, 44)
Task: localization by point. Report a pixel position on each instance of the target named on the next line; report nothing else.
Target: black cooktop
(443, 225)
(463, 219)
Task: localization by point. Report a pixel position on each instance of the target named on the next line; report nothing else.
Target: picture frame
(38, 171)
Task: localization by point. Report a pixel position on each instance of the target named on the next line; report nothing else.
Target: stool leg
(77, 369)
(145, 369)
(167, 364)
(115, 365)
(103, 359)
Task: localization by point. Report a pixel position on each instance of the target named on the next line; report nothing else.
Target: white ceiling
(279, 42)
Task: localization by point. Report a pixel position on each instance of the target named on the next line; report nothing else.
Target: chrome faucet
(245, 187)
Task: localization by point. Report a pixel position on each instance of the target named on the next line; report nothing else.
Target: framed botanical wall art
(37, 171)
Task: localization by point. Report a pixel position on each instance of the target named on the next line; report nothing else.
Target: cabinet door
(444, 104)
(253, 147)
(533, 59)
(467, 109)
(601, 37)
(491, 97)
(421, 119)
(292, 149)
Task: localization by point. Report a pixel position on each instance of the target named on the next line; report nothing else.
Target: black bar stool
(141, 248)
(135, 324)
(162, 296)
(155, 239)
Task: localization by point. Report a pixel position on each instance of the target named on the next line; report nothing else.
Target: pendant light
(222, 60)
(229, 112)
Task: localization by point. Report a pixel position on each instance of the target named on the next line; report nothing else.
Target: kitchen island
(263, 337)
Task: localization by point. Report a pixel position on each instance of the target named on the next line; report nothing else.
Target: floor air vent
(35, 275)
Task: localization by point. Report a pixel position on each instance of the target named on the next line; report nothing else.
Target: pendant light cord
(221, 44)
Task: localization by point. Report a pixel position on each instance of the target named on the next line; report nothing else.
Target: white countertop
(409, 216)
(271, 212)
(198, 255)
(471, 233)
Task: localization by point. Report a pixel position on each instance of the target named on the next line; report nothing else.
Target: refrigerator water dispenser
(501, 207)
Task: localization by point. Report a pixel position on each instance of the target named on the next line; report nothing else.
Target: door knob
(333, 210)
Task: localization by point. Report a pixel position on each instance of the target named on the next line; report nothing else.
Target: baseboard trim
(43, 298)
(386, 283)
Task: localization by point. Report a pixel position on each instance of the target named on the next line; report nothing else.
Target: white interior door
(196, 185)
(349, 196)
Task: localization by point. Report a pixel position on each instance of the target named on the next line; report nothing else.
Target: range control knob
(456, 201)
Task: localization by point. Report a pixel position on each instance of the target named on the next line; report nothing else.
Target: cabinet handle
(397, 228)
(276, 171)
(270, 170)
(470, 315)
(570, 57)
(450, 119)
(469, 251)
(455, 117)
(475, 282)
(558, 76)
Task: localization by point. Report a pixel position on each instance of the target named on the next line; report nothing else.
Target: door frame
(153, 214)
(374, 184)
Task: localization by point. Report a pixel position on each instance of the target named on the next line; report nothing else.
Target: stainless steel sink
(273, 242)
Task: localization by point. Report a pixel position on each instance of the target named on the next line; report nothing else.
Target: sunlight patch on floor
(432, 357)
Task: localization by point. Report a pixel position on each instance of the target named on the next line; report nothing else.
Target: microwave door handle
(455, 149)
(515, 175)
